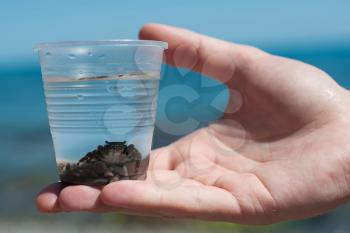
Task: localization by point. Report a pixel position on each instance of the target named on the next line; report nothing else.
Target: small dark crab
(109, 162)
(113, 153)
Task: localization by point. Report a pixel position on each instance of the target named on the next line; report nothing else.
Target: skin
(280, 152)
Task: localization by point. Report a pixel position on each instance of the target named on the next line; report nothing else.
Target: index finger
(216, 58)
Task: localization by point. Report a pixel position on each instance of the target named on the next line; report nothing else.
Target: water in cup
(94, 118)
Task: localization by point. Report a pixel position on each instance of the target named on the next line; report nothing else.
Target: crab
(113, 153)
(110, 162)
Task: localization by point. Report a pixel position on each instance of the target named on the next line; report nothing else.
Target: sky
(266, 23)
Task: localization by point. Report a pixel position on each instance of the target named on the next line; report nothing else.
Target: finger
(181, 201)
(87, 198)
(47, 199)
(59, 197)
(213, 57)
(81, 198)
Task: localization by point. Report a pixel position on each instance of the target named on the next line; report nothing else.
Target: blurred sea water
(26, 152)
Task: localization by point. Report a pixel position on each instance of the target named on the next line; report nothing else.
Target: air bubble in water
(80, 97)
(72, 56)
(112, 89)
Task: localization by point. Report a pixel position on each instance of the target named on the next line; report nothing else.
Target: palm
(274, 155)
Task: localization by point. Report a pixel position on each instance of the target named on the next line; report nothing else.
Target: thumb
(216, 58)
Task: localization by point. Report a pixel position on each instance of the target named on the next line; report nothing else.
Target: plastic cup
(101, 100)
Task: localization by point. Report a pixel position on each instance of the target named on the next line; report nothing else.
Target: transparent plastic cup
(101, 100)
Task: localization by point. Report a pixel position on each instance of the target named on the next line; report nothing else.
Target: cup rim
(113, 42)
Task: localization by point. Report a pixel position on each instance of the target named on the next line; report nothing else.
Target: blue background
(316, 32)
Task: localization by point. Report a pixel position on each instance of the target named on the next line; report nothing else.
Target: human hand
(280, 152)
